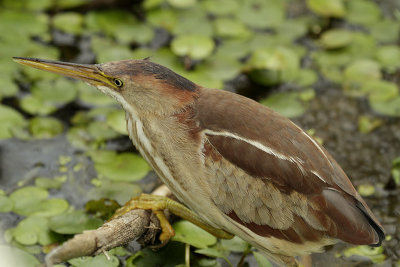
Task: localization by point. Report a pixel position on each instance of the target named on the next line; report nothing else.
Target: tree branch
(135, 224)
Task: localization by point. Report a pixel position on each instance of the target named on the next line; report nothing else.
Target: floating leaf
(103, 208)
(10, 120)
(214, 252)
(366, 190)
(327, 8)
(123, 167)
(164, 18)
(336, 38)
(189, 233)
(261, 260)
(6, 204)
(27, 198)
(236, 244)
(193, 45)
(69, 22)
(231, 28)
(116, 120)
(12, 256)
(36, 106)
(91, 96)
(73, 222)
(220, 7)
(182, 3)
(169, 256)
(48, 183)
(375, 254)
(389, 57)
(108, 21)
(262, 14)
(367, 124)
(273, 65)
(193, 19)
(99, 260)
(138, 33)
(33, 230)
(362, 12)
(45, 127)
(287, 104)
(386, 30)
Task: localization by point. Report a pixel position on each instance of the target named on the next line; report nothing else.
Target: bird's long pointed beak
(85, 72)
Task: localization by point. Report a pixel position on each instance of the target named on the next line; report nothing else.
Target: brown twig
(135, 224)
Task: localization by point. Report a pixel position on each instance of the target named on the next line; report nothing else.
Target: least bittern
(239, 167)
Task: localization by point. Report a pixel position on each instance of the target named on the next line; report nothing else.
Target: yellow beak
(85, 72)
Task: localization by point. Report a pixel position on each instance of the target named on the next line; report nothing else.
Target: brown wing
(276, 180)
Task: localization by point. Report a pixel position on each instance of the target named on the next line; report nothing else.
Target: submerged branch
(136, 224)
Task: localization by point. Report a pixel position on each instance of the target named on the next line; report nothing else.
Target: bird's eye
(118, 82)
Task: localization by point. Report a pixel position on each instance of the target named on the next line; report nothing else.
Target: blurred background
(66, 163)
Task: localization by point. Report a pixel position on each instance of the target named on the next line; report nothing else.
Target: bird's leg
(159, 203)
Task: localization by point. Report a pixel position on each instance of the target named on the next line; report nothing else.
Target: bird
(236, 166)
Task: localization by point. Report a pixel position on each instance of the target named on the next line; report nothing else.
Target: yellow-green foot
(159, 203)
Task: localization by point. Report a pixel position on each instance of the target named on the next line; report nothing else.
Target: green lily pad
(261, 260)
(215, 252)
(220, 7)
(262, 14)
(107, 50)
(164, 18)
(390, 107)
(99, 131)
(386, 31)
(236, 244)
(287, 104)
(193, 45)
(327, 8)
(366, 190)
(73, 222)
(103, 208)
(8, 87)
(169, 256)
(47, 183)
(6, 205)
(139, 33)
(362, 12)
(26, 198)
(306, 77)
(45, 127)
(10, 120)
(231, 28)
(99, 260)
(93, 97)
(381, 90)
(118, 191)
(108, 21)
(193, 19)
(69, 22)
(12, 256)
(182, 3)
(273, 65)
(358, 73)
(116, 120)
(374, 254)
(33, 230)
(189, 233)
(123, 167)
(367, 124)
(336, 38)
(36, 106)
(389, 57)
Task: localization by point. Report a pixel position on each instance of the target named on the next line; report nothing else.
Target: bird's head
(140, 86)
